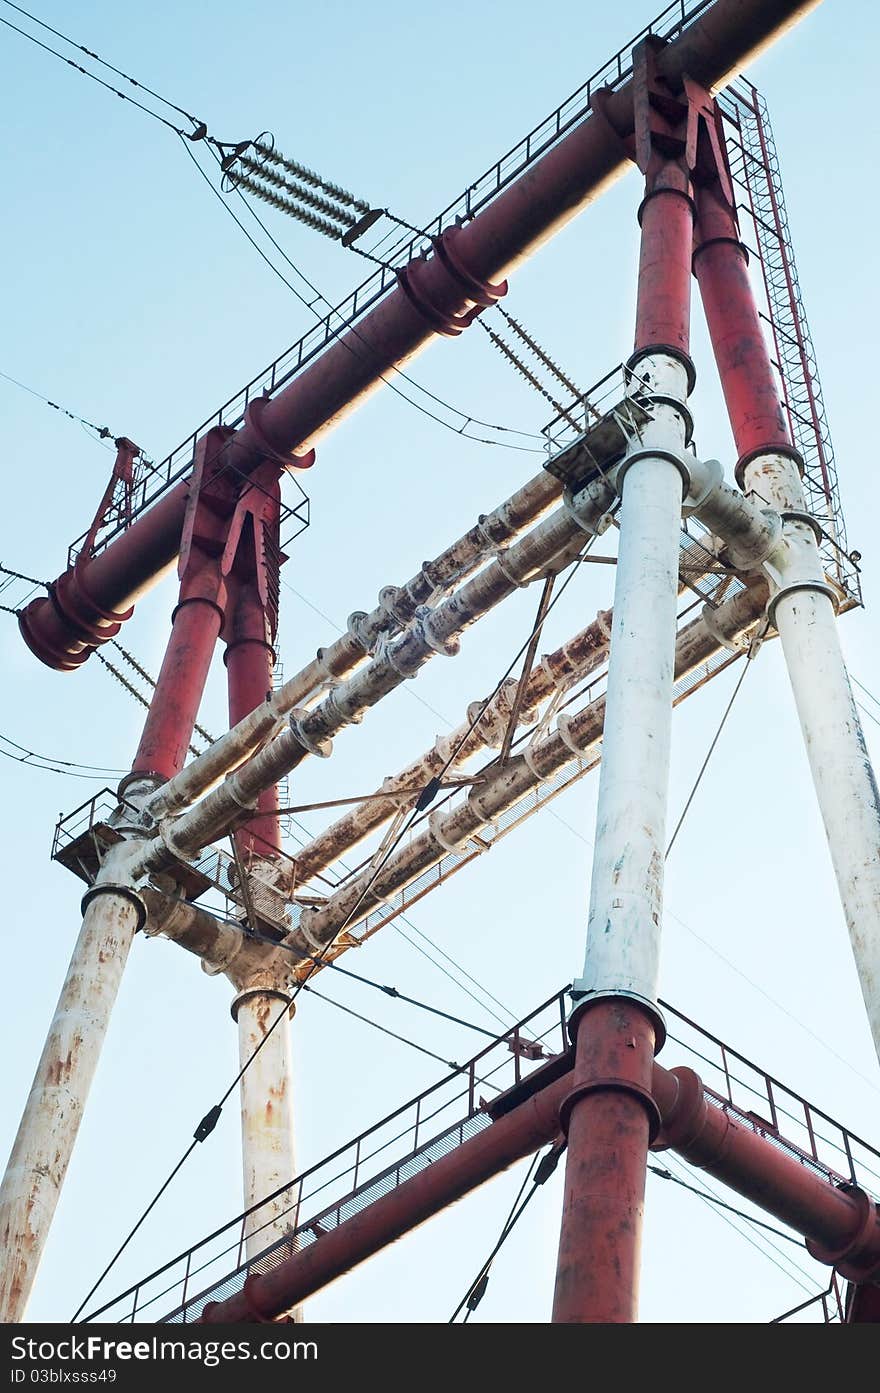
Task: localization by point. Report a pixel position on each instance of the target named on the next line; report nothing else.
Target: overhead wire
(200, 132)
(539, 1172)
(47, 48)
(750, 655)
(347, 328)
(710, 1197)
(103, 432)
(368, 1020)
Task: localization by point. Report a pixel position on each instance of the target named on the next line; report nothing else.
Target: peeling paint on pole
(48, 1129)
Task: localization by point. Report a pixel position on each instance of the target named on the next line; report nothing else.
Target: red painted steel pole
(740, 348)
(178, 693)
(250, 660)
(609, 1120)
(841, 1225)
(439, 295)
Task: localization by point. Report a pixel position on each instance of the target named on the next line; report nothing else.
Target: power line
(753, 648)
(200, 132)
(367, 1020)
(255, 936)
(52, 765)
(708, 1195)
(47, 48)
(344, 326)
(103, 432)
(722, 1204)
(538, 1172)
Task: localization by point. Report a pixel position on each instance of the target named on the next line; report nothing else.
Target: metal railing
(380, 1158)
(448, 1113)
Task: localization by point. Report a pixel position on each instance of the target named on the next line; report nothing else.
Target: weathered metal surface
(484, 728)
(431, 632)
(265, 1095)
(608, 1114)
(53, 1111)
(623, 936)
(580, 731)
(397, 605)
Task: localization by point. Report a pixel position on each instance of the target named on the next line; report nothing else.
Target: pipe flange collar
(713, 628)
(613, 1084)
(319, 746)
(797, 515)
(626, 464)
(663, 399)
(787, 451)
(670, 351)
(273, 994)
(396, 604)
(361, 630)
(435, 827)
(447, 647)
(125, 892)
(584, 997)
(713, 475)
(858, 1260)
(563, 726)
(500, 560)
(528, 756)
(821, 586)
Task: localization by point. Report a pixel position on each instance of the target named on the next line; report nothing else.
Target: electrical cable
(538, 1172)
(104, 64)
(716, 737)
(712, 1199)
(367, 1020)
(200, 132)
(255, 936)
(733, 967)
(47, 48)
(103, 432)
(504, 1021)
(722, 1204)
(56, 766)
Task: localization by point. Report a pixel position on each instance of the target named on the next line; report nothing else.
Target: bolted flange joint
(124, 892)
(858, 1260)
(319, 746)
(653, 453)
(584, 997)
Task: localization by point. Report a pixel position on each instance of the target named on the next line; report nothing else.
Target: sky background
(133, 300)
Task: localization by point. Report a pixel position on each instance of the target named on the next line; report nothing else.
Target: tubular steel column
(113, 912)
(252, 564)
(196, 621)
(616, 1025)
(268, 1160)
(802, 603)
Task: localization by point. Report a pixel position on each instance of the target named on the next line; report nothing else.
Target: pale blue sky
(130, 298)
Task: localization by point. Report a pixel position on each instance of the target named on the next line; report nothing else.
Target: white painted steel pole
(50, 1122)
(265, 1091)
(623, 934)
(802, 607)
